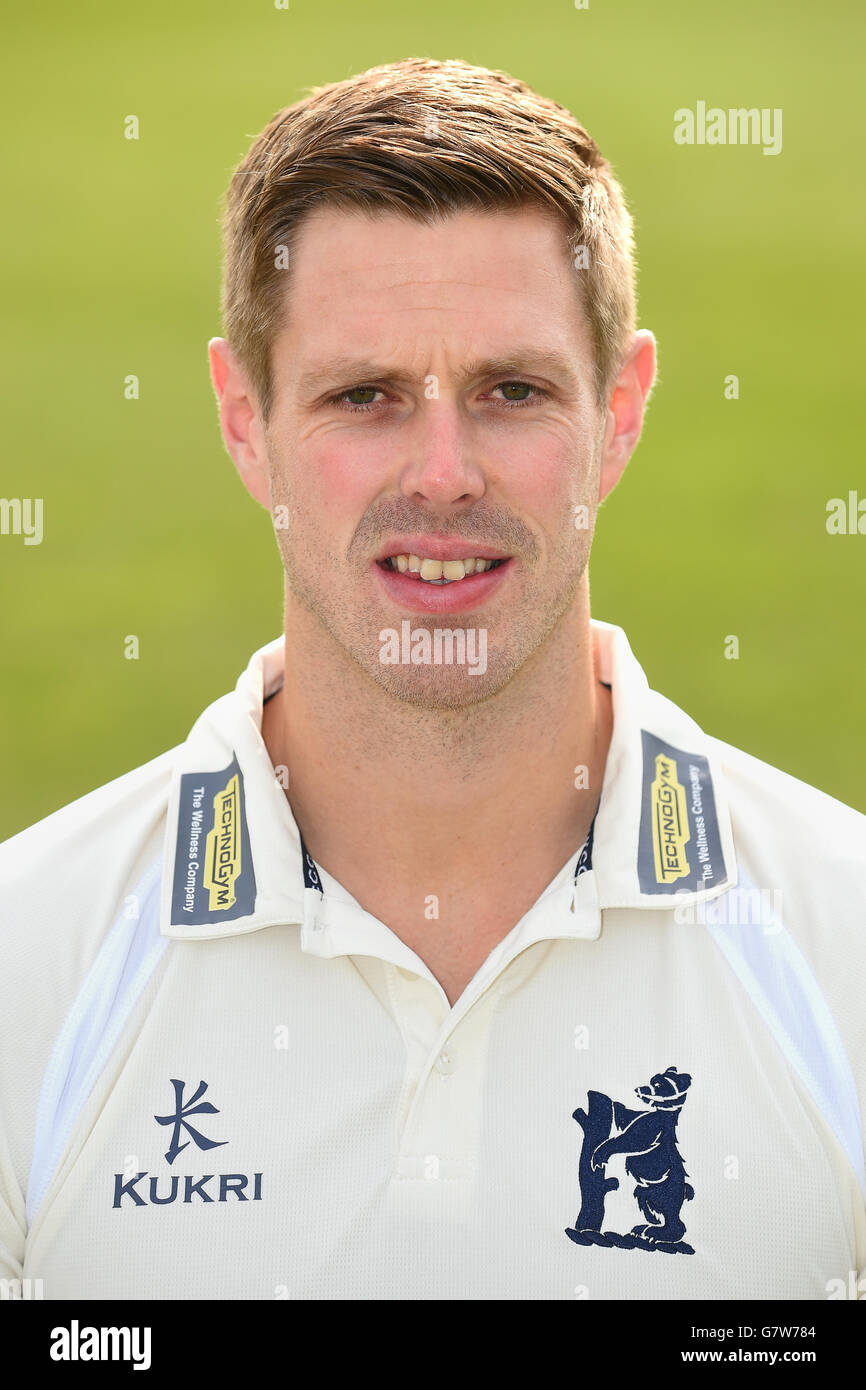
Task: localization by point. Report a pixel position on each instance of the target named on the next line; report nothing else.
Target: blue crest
(648, 1138)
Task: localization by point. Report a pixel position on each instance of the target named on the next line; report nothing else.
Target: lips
(408, 591)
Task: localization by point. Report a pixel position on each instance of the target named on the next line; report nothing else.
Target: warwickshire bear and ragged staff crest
(648, 1140)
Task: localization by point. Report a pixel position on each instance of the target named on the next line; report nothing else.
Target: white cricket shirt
(221, 1078)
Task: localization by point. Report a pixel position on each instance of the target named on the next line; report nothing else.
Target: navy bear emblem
(648, 1138)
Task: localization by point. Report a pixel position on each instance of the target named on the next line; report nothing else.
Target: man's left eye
(365, 391)
(531, 391)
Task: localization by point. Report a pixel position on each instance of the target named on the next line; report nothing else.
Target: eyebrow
(537, 362)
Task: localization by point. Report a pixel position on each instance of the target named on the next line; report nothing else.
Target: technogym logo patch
(670, 822)
(223, 849)
(214, 879)
(142, 1189)
(679, 845)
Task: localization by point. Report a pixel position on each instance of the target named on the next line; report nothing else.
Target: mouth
(439, 572)
(450, 581)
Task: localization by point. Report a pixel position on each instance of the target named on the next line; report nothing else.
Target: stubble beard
(524, 622)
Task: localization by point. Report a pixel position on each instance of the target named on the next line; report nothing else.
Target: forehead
(471, 280)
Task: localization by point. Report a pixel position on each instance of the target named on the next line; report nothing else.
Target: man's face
(433, 398)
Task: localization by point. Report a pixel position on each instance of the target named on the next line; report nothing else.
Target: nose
(443, 468)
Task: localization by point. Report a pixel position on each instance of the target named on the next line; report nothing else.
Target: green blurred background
(750, 264)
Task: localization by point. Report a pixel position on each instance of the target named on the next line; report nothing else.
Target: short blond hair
(424, 139)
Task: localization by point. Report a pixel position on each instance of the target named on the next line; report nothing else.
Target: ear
(240, 421)
(625, 410)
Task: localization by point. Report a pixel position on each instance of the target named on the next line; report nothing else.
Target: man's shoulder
(62, 878)
(779, 823)
(768, 802)
(93, 824)
(805, 852)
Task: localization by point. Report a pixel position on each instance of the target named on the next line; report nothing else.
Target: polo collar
(663, 827)
(235, 861)
(232, 852)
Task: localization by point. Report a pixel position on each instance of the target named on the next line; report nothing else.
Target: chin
(439, 687)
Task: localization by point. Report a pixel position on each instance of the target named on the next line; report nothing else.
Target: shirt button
(445, 1063)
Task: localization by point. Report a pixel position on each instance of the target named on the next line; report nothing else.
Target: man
(444, 959)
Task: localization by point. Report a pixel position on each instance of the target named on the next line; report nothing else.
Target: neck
(371, 777)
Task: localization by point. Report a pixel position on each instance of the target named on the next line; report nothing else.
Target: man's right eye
(342, 398)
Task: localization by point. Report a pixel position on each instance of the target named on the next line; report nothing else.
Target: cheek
(547, 473)
(334, 485)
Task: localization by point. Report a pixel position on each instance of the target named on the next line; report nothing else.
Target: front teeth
(439, 571)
